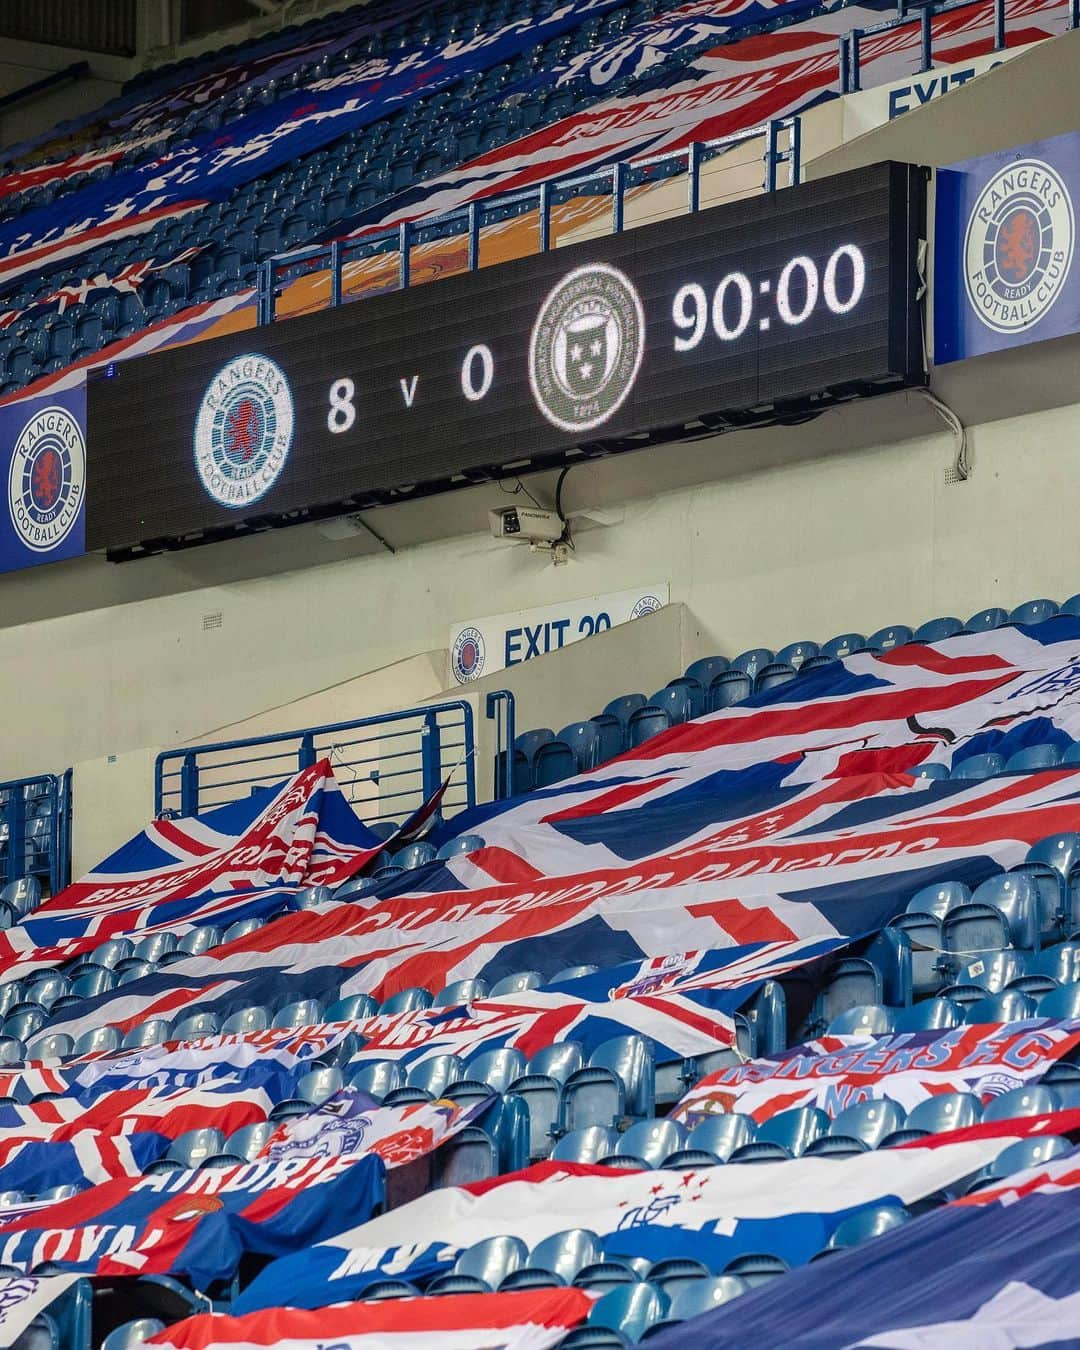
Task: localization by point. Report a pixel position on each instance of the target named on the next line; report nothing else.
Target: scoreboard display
(737, 311)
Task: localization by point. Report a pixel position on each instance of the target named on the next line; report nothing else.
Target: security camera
(526, 525)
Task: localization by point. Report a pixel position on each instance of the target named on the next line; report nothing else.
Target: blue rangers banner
(213, 165)
(712, 1215)
(1000, 1268)
(43, 479)
(197, 1224)
(533, 1319)
(1004, 246)
(836, 1072)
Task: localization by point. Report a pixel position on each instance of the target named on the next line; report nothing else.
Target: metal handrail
(54, 865)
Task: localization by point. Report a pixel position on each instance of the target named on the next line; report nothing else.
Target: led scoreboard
(760, 308)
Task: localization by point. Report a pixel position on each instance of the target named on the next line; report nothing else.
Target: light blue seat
(357, 887)
(246, 1020)
(609, 732)
(933, 1014)
(194, 1026)
(540, 1087)
(378, 1078)
(587, 1145)
(93, 982)
(646, 723)
(923, 933)
(132, 1335)
(199, 940)
(703, 1296)
(154, 946)
(97, 1041)
(190, 1151)
(672, 1274)
(1016, 897)
(1060, 962)
(311, 897)
(871, 1121)
(706, 670)
(407, 1000)
(519, 983)
(937, 630)
(1034, 611)
(1054, 862)
(622, 709)
(1008, 1006)
(242, 928)
(990, 972)
(10, 1199)
(972, 930)
(558, 1258)
(986, 620)
(794, 1130)
(842, 646)
(384, 1289)
(867, 1223)
(460, 847)
(1034, 759)
(130, 971)
(976, 768)
(752, 662)
(52, 1045)
(796, 653)
(305, 1012)
(23, 895)
(1071, 607)
(571, 973)
(146, 1034)
(249, 1141)
(467, 1157)
(1035, 1100)
(414, 855)
(618, 1081)
(761, 1151)
(554, 763)
(435, 1074)
(487, 1262)
(46, 988)
(773, 675)
(1025, 1153)
(352, 1008)
(852, 982)
(722, 1133)
(694, 692)
(934, 771)
(947, 1111)
(872, 1019)
(320, 1085)
(938, 899)
(603, 1275)
(887, 639)
(461, 991)
(1062, 1004)
(651, 1141)
(629, 1310)
(497, 1068)
(109, 954)
(732, 687)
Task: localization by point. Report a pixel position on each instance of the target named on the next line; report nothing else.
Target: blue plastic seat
(461, 991)
(586, 1145)
(939, 899)
(672, 1274)
(622, 709)
(518, 983)
(651, 1141)
(886, 639)
(109, 954)
(378, 1078)
(1062, 1004)
(559, 1257)
(93, 982)
(249, 1141)
(844, 645)
(993, 972)
(1015, 895)
(583, 739)
(761, 1151)
(467, 1157)
(98, 1040)
(872, 1019)
(937, 630)
(732, 687)
(305, 1012)
(45, 988)
(1008, 1006)
(1054, 862)
(406, 1000)
(199, 940)
(1025, 1153)
(460, 847)
(703, 1296)
(154, 946)
(646, 723)
(932, 771)
(1034, 1100)
(706, 669)
(1061, 962)
(986, 620)
(191, 1150)
(870, 1122)
(629, 1310)
(246, 1020)
(319, 1085)
(603, 1275)
(867, 1223)
(540, 1087)
(414, 855)
(310, 897)
(435, 1074)
(722, 1133)
(132, 1335)
(497, 1068)
(609, 732)
(774, 674)
(52, 1045)
(976, 768)
(947, 1111)
(852, 982)
(352, 1008)
(698, 703)
(1034, 611)
(195, 1026)
(923, 933)
(619, 1080)
(242, 928)
(794, 1130)
(796, 653)
(554, 763)
(147, 1034)
(1034, 759)
(971, 930)
(487, 1262)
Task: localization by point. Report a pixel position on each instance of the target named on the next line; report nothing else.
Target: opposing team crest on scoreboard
(586, 347)
(47, 479)
(1019, 245)
(244, 430)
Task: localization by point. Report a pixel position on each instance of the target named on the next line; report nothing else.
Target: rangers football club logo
(47, 480)
(244, 430)
(648, 604)
(467, 655)
(586, 347)
(1019, 245)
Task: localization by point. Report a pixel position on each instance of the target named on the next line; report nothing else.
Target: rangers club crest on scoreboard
(43, 443)
(1006, 234)
(244, 430)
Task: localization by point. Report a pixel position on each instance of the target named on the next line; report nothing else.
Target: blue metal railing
(616, 179)
(387, 765)
(500, 708)
(34, 830)
(850, 57)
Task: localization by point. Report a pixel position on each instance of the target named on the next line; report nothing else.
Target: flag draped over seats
(1000, 1268)
(835, 1072)
(711, 1215)
(527, 1320)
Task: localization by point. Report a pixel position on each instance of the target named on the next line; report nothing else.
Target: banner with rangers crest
(43, 479)
(1003, 250)
(836, 1072)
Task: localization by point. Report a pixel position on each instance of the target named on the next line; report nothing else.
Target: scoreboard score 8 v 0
(727, 311)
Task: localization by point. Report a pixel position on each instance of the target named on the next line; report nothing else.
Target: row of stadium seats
(541, 759)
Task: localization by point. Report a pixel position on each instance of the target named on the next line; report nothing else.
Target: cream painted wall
(854, 540)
